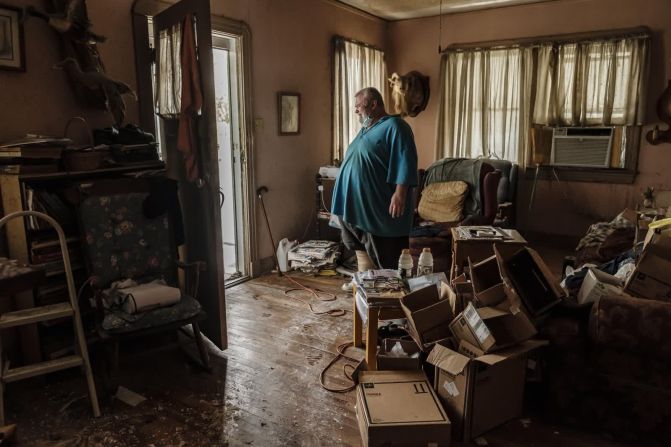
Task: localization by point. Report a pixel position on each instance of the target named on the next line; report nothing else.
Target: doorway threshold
(235, 281)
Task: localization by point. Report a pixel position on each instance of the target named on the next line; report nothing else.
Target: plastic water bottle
(405, 264)
(425, 263)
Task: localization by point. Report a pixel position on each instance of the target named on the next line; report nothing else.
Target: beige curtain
(169, 91)
(485, 104)
(355, 66)
(592, 83)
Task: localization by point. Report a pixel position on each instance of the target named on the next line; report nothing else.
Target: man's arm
(397, 205)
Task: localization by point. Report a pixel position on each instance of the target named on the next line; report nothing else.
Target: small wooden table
(477, 249)
(374, 313)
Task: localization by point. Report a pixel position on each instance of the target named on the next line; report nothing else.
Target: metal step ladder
(46, 313)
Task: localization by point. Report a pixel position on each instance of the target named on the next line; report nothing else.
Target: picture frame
(12, 45)
(289, 113)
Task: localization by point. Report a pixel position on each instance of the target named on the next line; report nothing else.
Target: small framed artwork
(289, 105)
(12, 55)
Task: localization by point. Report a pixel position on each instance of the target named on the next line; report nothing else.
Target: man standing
(372, 192)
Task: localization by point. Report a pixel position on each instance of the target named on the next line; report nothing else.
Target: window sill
(582, 174)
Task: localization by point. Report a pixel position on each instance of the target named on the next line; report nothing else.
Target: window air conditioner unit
(582, 146)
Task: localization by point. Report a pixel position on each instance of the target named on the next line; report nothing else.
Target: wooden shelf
(158, 165)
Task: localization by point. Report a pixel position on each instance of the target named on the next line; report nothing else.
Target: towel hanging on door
(191, 101)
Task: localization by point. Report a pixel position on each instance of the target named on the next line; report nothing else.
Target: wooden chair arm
(97, 288)
(192, 276)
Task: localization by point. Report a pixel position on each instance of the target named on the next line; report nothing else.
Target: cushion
(118, 322)
(443, 201)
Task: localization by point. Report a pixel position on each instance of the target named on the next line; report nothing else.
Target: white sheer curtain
(485, 103)
(486, 94)
(169, 91)
(598, 82)
(355, 66)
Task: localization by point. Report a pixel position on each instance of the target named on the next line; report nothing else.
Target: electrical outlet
(258, 123)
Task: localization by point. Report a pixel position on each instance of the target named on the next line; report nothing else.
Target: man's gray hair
(371, 93)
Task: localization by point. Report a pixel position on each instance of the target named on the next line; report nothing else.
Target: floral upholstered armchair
(126, 236)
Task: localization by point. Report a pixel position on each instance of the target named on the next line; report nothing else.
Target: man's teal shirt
(378, 159)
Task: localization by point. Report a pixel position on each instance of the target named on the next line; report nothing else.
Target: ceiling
(410, 9)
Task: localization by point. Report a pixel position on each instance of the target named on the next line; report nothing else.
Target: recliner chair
(480, 205)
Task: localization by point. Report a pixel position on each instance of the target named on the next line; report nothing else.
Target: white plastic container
(425, 262)
(283, 249)
(405, 264)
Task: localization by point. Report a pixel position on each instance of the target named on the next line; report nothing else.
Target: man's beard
(364, 120)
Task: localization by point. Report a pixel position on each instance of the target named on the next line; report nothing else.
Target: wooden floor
(263, 391)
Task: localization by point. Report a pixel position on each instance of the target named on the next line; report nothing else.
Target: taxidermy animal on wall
(82, 63)
(410, 93)
(96, 80)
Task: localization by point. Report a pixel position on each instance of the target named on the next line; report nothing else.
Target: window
(484, 104)
(356, 66)
(493, 97)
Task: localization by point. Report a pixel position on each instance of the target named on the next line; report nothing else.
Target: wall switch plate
(258, 123)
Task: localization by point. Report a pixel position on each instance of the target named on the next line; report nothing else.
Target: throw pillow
(443, 201)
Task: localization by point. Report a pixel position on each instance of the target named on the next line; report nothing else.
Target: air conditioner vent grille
(581, 150)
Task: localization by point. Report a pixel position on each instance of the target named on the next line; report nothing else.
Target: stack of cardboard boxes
(475, 337)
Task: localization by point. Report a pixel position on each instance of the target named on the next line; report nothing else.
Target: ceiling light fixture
(481, 3)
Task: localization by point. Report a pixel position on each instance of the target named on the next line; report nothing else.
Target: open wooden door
(200, 199)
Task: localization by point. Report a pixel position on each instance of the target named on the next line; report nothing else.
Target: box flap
(655, 265)
(505, 254)
(421, 298)
(448, 360)
(514, 351)
(419, 282)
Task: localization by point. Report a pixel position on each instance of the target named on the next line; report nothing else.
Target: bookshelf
(31, 244)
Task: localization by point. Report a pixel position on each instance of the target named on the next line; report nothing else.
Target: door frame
(241, 30)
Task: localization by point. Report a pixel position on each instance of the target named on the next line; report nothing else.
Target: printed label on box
(479, 327)
(451, 389)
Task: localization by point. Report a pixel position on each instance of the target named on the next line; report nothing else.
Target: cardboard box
(400, 408)
(388, 362)
(529, 282)
(597, 284)
(482, 392)
(490, 329)
(652, 277)
(486, 280)
(428, 315)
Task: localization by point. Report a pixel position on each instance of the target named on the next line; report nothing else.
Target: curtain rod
(607, 35)
(357, 42)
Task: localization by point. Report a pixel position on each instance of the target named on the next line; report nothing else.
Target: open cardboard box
(486, 281)
(428, 315)
(598, 284)
(481, 392)
(400, 408)
(463, 290)
(388, 362)
(652, 277)
(529, 283)
(491, 329)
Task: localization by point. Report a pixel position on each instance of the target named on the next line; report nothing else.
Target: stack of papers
(483, 232)
(313, 256)
(380, 285)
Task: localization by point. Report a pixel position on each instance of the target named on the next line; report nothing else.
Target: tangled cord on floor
(316, 293)
(341, 354)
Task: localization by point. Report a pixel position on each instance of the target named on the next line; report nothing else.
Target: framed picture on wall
(12, 56)
(289, 113)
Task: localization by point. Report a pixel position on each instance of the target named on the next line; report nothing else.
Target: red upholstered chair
(480, 205)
